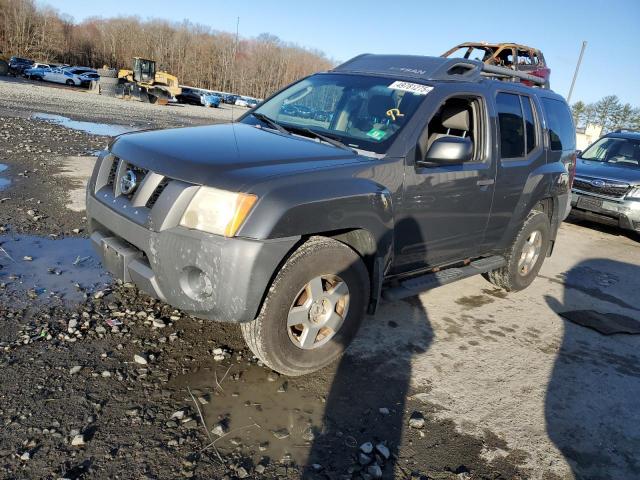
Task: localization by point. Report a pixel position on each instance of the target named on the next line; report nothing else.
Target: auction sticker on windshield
(411, 87)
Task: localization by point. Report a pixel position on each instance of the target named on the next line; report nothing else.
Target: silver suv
(607, 184)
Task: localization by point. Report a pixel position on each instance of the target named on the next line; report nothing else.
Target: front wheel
(71, 83)
(313, 309)
(525, 256)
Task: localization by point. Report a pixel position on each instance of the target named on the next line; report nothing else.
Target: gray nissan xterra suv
(382, 178)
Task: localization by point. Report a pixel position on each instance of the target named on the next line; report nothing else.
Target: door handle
(485, 183)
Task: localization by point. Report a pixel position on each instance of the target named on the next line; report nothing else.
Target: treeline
(608, 112)
(196, 54)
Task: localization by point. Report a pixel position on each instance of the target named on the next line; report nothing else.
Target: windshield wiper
(324, 138)
(269, 121)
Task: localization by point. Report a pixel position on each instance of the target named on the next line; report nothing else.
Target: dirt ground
(464, 382)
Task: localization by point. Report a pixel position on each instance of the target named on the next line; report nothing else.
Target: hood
(590, 168)
(228, 156)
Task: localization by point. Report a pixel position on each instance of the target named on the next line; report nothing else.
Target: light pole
(575, 74)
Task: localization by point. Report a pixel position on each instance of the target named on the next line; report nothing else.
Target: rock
(106, 374)
(25, 456)
(158, 323)
(179, 415)
(242, 473)
(416, 420)
(101, 330)
(218, 358)
(74, 370)
(273, 376)
(78, 440)
(140, 358)
(384, 411)
(220, 429)
(260, 469)
(384, 452)
(366, 448)
(364, 459)
(281, 433)
(374, 470)
(218, 351)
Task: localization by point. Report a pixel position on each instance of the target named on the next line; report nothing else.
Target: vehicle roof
(630, 134)
(424, 68)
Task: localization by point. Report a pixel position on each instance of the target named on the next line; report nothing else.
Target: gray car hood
(228, 156)
(594, 169)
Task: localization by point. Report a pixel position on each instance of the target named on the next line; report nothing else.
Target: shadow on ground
(591, 405)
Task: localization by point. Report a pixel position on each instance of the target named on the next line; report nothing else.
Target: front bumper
(621, 213)
(208, 276)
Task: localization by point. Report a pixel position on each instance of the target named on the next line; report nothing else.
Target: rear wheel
(4, 68)
(71, 83)
(525, 256)
(312, 310)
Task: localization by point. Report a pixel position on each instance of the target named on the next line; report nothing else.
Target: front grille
(608, 188)
(149, 185)
(112, 171)
(157, 192)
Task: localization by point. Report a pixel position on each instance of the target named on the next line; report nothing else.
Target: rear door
(520, 152)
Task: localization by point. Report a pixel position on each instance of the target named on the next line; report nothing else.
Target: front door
(446, 207)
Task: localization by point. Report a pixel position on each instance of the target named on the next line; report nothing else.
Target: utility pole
(575, 74)
(235, 57)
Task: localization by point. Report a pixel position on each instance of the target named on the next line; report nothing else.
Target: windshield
(363, 112)
(622, 152)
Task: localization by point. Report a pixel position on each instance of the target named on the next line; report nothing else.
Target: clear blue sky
(344, 28)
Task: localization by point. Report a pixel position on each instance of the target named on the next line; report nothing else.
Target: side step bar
(417, 285)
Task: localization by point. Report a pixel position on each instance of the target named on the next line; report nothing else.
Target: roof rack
(434, 68)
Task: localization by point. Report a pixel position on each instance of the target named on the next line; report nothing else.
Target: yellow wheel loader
(144, 83)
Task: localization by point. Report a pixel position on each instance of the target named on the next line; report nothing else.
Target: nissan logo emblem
(128, 182)
(598, 183)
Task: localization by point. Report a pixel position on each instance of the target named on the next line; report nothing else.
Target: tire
(4, 68)
(275, 343)
(107, 72)
(514, 276)
(71, 83)
(108, 86)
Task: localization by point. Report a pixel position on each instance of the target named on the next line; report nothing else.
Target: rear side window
(517, 125)
(562, 135)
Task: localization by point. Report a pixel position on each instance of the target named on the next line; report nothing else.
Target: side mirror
(448, 150)
(578, 153)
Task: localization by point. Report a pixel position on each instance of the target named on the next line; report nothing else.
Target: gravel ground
(464, 382)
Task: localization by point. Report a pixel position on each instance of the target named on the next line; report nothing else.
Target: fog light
(196, 283)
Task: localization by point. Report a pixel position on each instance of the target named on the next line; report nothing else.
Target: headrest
(455, 118)
(379, 104)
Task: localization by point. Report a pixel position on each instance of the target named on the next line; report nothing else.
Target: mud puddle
(263, 414)
(105, 129)
(4, 182)
(46, 269)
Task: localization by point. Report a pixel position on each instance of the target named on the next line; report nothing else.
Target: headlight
(217, 211)
(634, 194)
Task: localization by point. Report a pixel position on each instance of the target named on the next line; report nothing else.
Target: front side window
(364, 112)
(622, 152)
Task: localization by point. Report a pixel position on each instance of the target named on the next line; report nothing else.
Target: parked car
(230, 99)
(252, 103)
(210, 100)
(607, 184)
(295, 230)
(37, 71)
(17, 65)
(69, 76)
(190, 96)
(512, 55)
